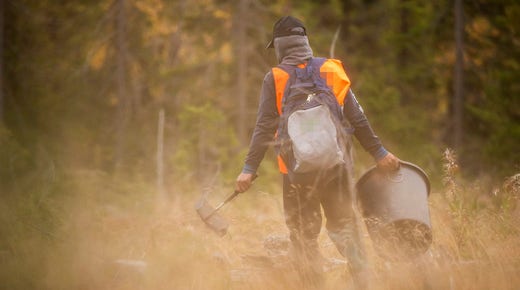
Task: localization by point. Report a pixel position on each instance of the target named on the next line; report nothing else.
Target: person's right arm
(263, 134)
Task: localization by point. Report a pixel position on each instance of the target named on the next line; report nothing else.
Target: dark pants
(302, 201)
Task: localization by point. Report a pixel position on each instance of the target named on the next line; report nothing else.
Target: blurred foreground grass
(91, 232)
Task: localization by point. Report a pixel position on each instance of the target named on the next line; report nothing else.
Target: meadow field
(119, 235)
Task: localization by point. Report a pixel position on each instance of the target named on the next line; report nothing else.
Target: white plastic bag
(314, 140)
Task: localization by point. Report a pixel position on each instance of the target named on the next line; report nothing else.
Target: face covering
(292, 49)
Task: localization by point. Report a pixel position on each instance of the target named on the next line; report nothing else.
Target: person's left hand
(388, 163)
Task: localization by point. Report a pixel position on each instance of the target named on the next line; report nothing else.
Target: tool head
(209, 215)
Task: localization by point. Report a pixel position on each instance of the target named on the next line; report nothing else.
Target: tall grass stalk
(94, 232)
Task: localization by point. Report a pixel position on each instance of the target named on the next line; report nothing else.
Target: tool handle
(233, 195)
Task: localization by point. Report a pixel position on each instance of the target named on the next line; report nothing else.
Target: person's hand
(243, 182)
(389, 162)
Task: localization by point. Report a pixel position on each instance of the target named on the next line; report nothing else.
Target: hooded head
(290, 41)
(286, 26)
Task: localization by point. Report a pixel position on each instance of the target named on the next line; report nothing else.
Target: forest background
(84, 85)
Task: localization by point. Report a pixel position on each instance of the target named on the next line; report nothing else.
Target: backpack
(311, 137)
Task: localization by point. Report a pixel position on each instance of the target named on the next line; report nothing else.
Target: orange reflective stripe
(332, 71)
(281, 165)
(280, 80)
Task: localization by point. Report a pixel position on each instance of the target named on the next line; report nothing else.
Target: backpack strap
(309, 76)
(303, 74)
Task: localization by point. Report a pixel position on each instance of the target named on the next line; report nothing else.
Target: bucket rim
(374, 168)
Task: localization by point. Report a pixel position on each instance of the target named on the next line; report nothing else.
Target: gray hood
(293, 49)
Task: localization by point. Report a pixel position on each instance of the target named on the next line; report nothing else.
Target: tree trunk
(1, 61)
(403, 55)
(458, 80)
(160, 156)
(122, 105)
(241, 89)
(404, 26)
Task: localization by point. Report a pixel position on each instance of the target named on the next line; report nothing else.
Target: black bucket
(394, 206)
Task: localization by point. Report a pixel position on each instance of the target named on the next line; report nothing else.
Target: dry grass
(124, 238)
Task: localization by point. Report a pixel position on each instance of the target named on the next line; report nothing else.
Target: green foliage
(31, 212)
(63, 84)
(207, 144)
(65, 214)
(492, 103)
(14, 158)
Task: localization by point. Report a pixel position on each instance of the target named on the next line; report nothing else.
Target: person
(302, 201)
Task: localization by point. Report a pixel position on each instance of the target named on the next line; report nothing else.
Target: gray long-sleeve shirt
(268, 119)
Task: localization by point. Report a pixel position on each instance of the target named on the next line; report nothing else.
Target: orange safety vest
(333, 73)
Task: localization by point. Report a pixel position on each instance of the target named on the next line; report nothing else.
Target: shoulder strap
(286, 76)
